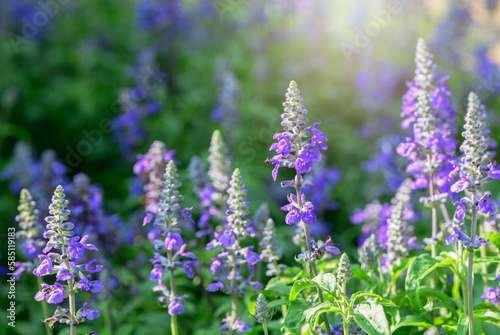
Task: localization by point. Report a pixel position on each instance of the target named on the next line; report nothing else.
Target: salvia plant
(64, 256)
(168, 219)
(256, 269)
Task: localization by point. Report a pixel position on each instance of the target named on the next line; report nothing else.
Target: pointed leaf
(295, 314)
(371, 317)
(312, 314)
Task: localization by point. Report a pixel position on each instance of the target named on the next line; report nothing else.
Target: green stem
(173, 293)
(470, 302)
(483, 253)
(45, 309)
(265, 328)
(234, 304)
(309, 249)
(108, 321)
(345, 307)
(71, 286)
(434, 223)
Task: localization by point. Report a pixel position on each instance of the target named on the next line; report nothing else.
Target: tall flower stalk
(30, 236)
(427, 109)
(229, 264)
(168, 219)
(298, 147)
(475, 169)
(71, 276)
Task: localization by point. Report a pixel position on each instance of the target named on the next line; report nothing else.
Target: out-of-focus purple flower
(227, 110)
(428, 110)
(138, 103)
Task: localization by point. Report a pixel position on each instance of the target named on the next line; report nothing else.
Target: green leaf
(295, 314)
(300, 285)
(412, 321)
(491, 327)
(463, 324)
(327, 281)
(494, 239)
(359, 273)
(418, 269)
(312, 314)
(278, 302)
(371, 317)
(400, 268)
(488, 259)
(280, 290)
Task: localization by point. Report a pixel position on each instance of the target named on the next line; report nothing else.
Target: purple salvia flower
(230, 263)
(138, 103)
(227, 110)
(67, 264)
(475, 168)
(21, 169)
(90, 218)
(204, 190)
(168, 218)
(270, 252)
(493, 294)
(399, 241)
(374, 218)
(30, 231)
(294, 147)
(427, 108)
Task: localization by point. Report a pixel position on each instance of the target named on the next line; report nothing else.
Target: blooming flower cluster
(229, 265)
(271, 253)
(474, 170)
(374, 218)
(89, 215)
(151, 168)
(298, 146)
(427, 107)
(68, 265)
(399, 240)
(168, 219)
(30, 232)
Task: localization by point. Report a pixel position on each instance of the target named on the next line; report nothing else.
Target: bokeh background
(85, 86)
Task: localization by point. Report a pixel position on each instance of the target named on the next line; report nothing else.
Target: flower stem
(470, 302)
(264, 325)
(345, 308)
(483, 253)
(234, 304)
(71, 286)
(173, 293)
(308, 242)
